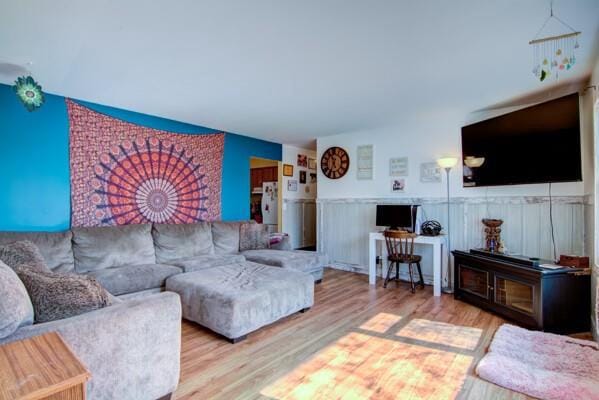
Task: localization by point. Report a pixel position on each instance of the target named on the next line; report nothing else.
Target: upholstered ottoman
(239, 298)
(306, 261)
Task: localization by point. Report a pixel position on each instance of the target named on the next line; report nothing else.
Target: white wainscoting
(343, 226)
(299, 221)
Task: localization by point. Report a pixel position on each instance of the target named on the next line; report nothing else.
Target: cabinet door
(515, 294)
(267, 174)
(474, 281)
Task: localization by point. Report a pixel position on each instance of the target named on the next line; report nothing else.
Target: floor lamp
(448, 163)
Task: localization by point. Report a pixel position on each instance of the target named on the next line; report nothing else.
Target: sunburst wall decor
(29, 92)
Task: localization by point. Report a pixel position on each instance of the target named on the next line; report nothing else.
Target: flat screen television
(397, 216)
(537, 144)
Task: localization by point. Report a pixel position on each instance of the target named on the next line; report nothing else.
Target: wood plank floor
(357, 342)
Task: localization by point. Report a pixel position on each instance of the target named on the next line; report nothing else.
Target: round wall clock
(334, 162)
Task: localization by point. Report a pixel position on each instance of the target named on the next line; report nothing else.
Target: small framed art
(287, 170)
(302, 177)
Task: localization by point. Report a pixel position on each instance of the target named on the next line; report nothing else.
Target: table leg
(371, 261)
(437, 256)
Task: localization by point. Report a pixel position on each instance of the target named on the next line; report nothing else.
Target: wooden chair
(400, 249)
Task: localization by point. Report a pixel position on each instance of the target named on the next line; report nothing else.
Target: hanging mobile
(554, 54)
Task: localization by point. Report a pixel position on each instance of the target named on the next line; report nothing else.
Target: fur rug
(542, 365)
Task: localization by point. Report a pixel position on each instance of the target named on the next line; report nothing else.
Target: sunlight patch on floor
(361, 366)
(462, 337)
(381, 322)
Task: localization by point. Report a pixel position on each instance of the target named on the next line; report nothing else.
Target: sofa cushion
(236, 299)
(97, 248)
(306, 261)
(58, 296)
(16, 309)
(182, 240)
(134, 278)
(22, 252)
(55, 247)
(225, 236)
(253, 237)
(199, 263)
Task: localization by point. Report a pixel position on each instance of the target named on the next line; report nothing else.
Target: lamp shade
(474, 162)
(447, 162)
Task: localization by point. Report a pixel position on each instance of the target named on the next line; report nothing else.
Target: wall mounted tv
(537, 144)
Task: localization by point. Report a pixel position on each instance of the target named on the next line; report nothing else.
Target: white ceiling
(287, 71)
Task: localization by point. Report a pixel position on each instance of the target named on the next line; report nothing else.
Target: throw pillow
(15, 306)
(253, 237)
(23, 252)
(57, 296)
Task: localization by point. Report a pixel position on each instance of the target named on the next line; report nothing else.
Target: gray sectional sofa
(132, 348)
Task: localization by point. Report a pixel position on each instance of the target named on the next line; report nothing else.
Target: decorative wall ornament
(398, 166)
(365, 170)
(122, 173)
(29, 92)
(554, 54)
(430, 172)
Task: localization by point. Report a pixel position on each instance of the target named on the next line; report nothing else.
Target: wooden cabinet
(41, 367)
(550, 300)
(261, 175)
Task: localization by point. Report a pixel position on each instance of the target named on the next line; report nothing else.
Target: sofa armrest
(280, 241)
(131, 348)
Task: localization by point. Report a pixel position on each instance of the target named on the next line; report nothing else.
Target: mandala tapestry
(122, 173)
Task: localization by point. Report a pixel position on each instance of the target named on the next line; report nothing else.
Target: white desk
(439, 256)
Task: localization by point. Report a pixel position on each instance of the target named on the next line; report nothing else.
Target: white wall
(591, 212)
(434, 137)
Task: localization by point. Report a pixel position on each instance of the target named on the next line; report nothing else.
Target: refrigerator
(270, 211)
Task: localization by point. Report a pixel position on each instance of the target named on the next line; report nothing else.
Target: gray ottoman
(310, 262)
(241, 297)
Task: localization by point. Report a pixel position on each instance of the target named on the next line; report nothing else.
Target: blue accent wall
(34, 162)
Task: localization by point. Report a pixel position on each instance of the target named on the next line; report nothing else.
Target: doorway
(265, 198)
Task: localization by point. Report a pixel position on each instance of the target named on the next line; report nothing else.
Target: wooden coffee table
(41, 367)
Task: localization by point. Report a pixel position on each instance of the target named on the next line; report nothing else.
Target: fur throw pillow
(23, 252)
(15, 306)
(253, 237)
(57, 296)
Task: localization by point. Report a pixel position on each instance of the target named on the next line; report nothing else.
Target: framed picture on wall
(430, 172)
(398, 185)
(311, 163)
(398, 166)
(302, 178)
(302, 160)
(287, 170)
(292, 185)
(365, 169)
(312, 177)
